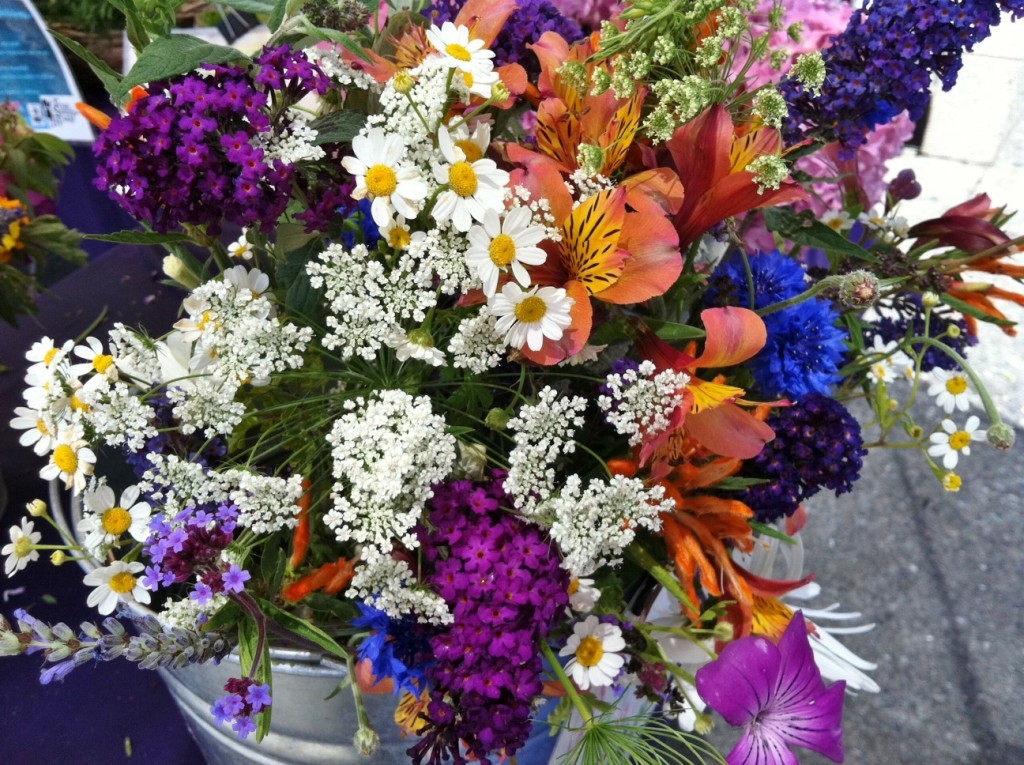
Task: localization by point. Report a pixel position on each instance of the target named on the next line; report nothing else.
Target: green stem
(577, 701)
(357, 695)
(986, 399)
(661, 575)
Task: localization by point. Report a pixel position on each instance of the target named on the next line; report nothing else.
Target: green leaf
(303, 629)
(300, 297)
(771, 531)
(173, 55)
(226, 617)
(111, 80)
(803, 228)
(670, 330)
(338, 127)
(247, 639)
(130, 236)
(970, 310)
(345, 41)
(736, 483)
(277, 15)
(136, 29)
(272, 567)
(249, 6)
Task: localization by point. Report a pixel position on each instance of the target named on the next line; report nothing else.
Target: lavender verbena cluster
(528, 22)
(904, 316)
(239, 706)
(506, 589)
(193, 151)
(190, 544)
(883, 63)
(817, 444)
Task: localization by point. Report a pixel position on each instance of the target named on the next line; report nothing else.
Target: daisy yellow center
(467, 77)
(64, 457)
(502, 250)
(102, 362)
(458, 51)
(463, 179)
(122, 583)
(50, 356)
(42, 428)
(531, 309)
(399, 238)
(836, 224)
(204, 322)
(960, 440)
(78, 405)
(470, 149)
(23, 547)
(381, 181)
(574, 586)
(590, 651)
(116, 521)
(956, 385)
(952, 482)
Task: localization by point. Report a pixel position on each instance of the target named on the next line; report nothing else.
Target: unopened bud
(176, 269)
(904, 186)
(724, 631)
(951, 481)
(1001, 436)
(500, 92)
(858, 289)
(703, 724)
(36, 508)
(497, 419)
(930, 299)
(58, 558)
(421, 337)
(403, 82)
(915, 432)
(954, 331)
(367, 741)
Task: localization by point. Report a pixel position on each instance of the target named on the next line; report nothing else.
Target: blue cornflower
(391, 649)
(776, 277)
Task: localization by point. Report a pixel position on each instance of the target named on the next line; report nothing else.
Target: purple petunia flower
(777, 694)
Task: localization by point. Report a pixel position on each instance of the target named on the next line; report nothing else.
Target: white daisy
(71, 460)
(94, 360)
(473, 144)
(476, 83)
(241, 248)
(20, 551)
(950, 443)
(397, 233)
(889, 365)
(527, 317)
(583, 595)
(594, 648)
(418, 344)
(45, 356)
(952, 390)
(458, 51)
(381, 176)
(837, 220)
(202, 319)
(473, 187)
(106, 520)
(39, 427)
(114, 583)
(498, 246)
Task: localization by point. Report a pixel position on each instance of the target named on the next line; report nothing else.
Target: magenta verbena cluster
(506, 590)
(192, 152)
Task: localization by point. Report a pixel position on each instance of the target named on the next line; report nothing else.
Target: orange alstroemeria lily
(708, 413)
(618, 246)
(711, 161)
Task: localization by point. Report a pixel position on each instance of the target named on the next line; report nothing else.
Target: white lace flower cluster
(177, 483)
(294, 143)
(477, 345)
(640, 402)
(391, 586)
(265, 503)
(388, 452)
(543, 432)
(593, 526)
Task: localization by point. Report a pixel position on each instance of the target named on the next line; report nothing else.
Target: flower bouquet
(492, 383)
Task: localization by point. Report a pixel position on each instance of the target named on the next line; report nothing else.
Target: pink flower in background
(589, 13)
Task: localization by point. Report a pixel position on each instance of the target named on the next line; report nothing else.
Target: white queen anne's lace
(640, 402)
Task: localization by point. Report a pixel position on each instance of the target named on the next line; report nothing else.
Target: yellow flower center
(42, 428)
(116, 521)
(23, 547)
(960, 440)
(381, 181)
(467, 77)
(206, 320)
(65, 458)
(836, 224)
(956, 384)
(590, 651)
(102, 363)
(952, 482)
(122, 583)
(463, 179)
(50, 356)
(470, 149)
(78, 405)
(574, 586)
(503, 250)
(531, 309)
(457, 51)
(399, 238)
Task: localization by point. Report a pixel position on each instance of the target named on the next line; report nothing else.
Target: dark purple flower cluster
(243, 701)
(190, 544)
(904, 317)
(817, 444)
(506, 589)
(193, 151)
(883, 62)
(528, 22)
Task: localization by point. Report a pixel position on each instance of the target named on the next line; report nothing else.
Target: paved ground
(940, 573)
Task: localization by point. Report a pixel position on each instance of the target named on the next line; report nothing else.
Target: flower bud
(951, 481)
(497, 419)
(703, 724)
(858, 289)
(58, 558)
(904, 186)
(915, 432)
(930, 299)
(1001, 436)
(500, 92)
(36, 508)
(403, 82)
(176, 269)
(724, 631)
(367, 741)
(954, 331)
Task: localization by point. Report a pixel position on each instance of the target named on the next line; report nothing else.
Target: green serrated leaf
(771, 531)
(130, 236)
(802, 228)
(970, 310)
(303, 629)
(173, 55)
(338, 127)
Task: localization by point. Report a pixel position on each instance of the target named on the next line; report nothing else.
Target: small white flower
(114, 583)
(253, 281)
(594, 649)
(241, 248)
(950, 443)
(95, 360)
(889, 365)
(458, 51)
(498, 246)
(952, 390)
(398, 234)
(39, 428)
(106, 520)
(45, 356)
(418, 345)
(381, 176)
(19, 552)
(473, 187)
(528, 317)
(583, 595)
(837, 220)
(473, 144)
(71, 460)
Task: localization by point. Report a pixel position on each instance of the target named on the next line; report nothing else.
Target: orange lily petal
(730, 431)
(654, 264)
(590, 240)
(733, 335)
(485, 18)
(654, 191)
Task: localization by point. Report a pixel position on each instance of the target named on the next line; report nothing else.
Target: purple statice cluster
(528, 22)
(904, 316)
(189, 544)
(817, 444)
(192, 151)
(239, 706)
(804, 348)
(505, 587)
(882, 64)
